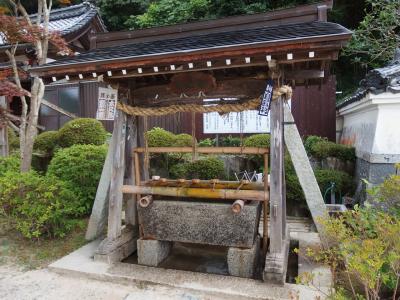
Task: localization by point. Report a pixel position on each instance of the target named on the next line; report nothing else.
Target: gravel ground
(16, 284)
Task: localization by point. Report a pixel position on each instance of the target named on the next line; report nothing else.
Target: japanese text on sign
(267, 97)
(107, 103)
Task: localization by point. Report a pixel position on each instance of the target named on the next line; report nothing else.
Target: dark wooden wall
(313, 108)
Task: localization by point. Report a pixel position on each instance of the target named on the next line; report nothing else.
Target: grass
(33, 254)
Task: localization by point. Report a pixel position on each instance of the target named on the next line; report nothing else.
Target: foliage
(159, 137)
(377, 37)
(116, 12)
(387, 195)
(39, 206)
(183, 140)
(258, 140)
(206, 143)
(10, 163)
(324, 149)
(343, 181)
(13, 140)
(80, 166)
(364, 246)
(230, 141)
(46, 142)
(205, 168)
(82, 131)
(310, 141)
(167, 12)
(179, 170)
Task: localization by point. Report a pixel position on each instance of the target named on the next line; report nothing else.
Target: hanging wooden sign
(106, 104)
(266, 100)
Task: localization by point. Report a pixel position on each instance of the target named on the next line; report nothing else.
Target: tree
(18, 29)
(378, 36)
(167, 12)
(116, 12)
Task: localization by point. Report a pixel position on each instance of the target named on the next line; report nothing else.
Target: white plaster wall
(372, 126)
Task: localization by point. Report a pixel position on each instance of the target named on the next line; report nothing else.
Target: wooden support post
(117, 177)
(265, 206)
(277, 169)
(4, 149)
(131, 217)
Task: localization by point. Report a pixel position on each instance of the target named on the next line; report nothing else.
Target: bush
(230, 141)
(206, 143)
(178, 170)
(158, 137)
(387, 195)
(11, 163)
(205, 168)
(310, 141)
(258, 140)
(83, 131)
(183, 140)
(326, 149)
(80, 166)
(46, 142)
(13, 140)
(39, 206)
(294, 191)
(343, 181)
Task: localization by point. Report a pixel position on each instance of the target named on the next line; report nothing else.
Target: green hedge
(80, 166)
(158, 137)
(258, 140)
(84, 131)
(37, 205)
(46, 142)
(343, 181)
(321, 148)
(204, 168)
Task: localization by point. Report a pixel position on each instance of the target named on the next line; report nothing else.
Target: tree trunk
(37, 93)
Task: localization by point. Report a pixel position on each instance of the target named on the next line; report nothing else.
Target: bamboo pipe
(146, 201)
(197, 183)
(205, 150)
(195, 193)
(237, 206)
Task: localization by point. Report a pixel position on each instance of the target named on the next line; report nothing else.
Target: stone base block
(276, 265)
(242, 262)
(152, 252)
(117, 254)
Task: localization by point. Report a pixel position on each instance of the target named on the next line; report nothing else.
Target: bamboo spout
(195, 192)
(146, 201)
(237, 206)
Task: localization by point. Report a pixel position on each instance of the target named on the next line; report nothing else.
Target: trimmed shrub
(206, 143)
(343, 181)
(326, 149)
(183, 140)
(84, 131)
(205, 168)
(310, 141)
(258, 140)
(158, 137)
(80, 166)
(9, 164)
(46, 142)
(39, 206)
(178, 170)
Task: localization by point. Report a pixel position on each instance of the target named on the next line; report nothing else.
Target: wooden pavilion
(172, 69)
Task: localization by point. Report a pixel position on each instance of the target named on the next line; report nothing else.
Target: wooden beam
(195, 183)
(304, 74)
(195, 193)
(206, 150)
(4, 149)
(59, 109)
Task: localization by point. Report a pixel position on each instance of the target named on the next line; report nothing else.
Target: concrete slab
(242, 262)
(200, 222)
(81, 263)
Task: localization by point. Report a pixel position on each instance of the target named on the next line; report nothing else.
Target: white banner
(107, 103)
(244, 122)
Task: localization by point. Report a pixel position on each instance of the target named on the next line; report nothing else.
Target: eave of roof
(263, 39)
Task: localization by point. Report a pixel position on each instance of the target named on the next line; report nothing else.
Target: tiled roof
(266, 34)
(70, 19)
(376, 81)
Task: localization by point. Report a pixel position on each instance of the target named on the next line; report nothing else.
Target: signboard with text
(107, 103)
